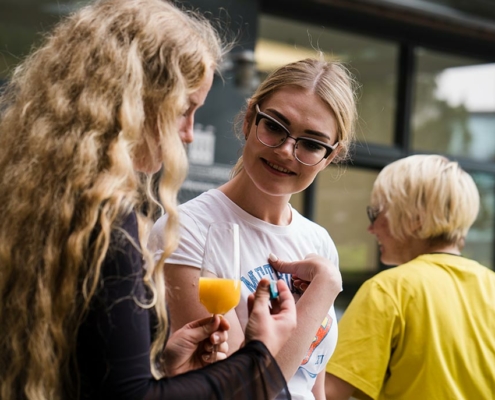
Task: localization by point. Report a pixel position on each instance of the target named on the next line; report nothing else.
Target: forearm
(182, 295)
(184, 305)
(336, 388)
(319, 387)
(250, 373)
(312, 308)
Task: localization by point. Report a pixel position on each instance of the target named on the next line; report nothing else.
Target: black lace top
(113, 353)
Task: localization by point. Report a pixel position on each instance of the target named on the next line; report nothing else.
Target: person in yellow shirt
(424, 329)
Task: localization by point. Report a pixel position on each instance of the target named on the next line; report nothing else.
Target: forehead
(302, 107)
(199, 95)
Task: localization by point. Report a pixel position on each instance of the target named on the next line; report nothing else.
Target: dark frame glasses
(328, 148)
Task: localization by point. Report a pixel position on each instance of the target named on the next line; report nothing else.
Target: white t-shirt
(257, 240)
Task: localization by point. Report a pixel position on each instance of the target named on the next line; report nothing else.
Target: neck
(272, 209)
(414, 247)
(445, 248)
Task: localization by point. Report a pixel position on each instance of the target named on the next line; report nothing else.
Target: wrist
(330, 279)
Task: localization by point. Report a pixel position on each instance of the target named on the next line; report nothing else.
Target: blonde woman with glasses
(86, 120)
(298, 121)
(424, 329)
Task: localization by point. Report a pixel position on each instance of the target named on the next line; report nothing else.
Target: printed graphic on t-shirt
(265, 271)
(320, 335)
(311, 364)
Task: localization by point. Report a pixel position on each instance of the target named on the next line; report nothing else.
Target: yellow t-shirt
(422, 331)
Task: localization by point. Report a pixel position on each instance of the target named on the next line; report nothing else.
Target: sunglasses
(372, 214)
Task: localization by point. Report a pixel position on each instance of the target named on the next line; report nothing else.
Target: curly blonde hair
(330, 80)
(107, 85)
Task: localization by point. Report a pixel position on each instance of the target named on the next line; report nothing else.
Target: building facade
(425, 73)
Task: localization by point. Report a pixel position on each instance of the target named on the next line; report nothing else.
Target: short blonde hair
(330, 80)
(427, 197)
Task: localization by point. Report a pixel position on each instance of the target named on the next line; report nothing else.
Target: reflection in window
(454, 106)
(479, 241)
(342, 197)
(373, 62)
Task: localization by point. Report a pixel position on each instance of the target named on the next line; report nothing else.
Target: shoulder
(210, 199)
(127, 223)
(125, 232)
(315, 233)
(392, 282)
(301, 222)
(204, 209)
(390, 286)
(411, 271)
(124, 254)
(193, 214)
(405, 283)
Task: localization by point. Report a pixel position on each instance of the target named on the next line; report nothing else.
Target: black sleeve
(248, 374)
(113, 353)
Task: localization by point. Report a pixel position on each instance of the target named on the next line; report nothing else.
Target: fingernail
(206, 357)
(216, 338)
(272, 257)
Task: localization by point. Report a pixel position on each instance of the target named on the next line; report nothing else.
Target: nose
(186, 131)
(287, 148)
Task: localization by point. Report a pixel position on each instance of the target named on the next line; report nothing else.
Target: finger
(201, 329)
(298, 283)
(209, 357)
(219, 337)
(222, 348)
(250, 303)
(262, 294)
(286, 303)
(220, 356)
(224, 324)
(216, 345)
(205, 322)
(261, 298)
(208, 347)
(281, 266)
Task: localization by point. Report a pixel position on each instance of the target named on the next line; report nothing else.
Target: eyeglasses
(372, 214)
(272, 133)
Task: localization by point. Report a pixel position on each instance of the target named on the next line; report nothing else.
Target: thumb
(201, 329)
(262, 296)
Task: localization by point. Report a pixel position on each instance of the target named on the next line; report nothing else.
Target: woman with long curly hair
(85, 122)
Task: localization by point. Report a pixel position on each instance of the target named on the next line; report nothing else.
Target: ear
(416, 224)
(248, 120)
